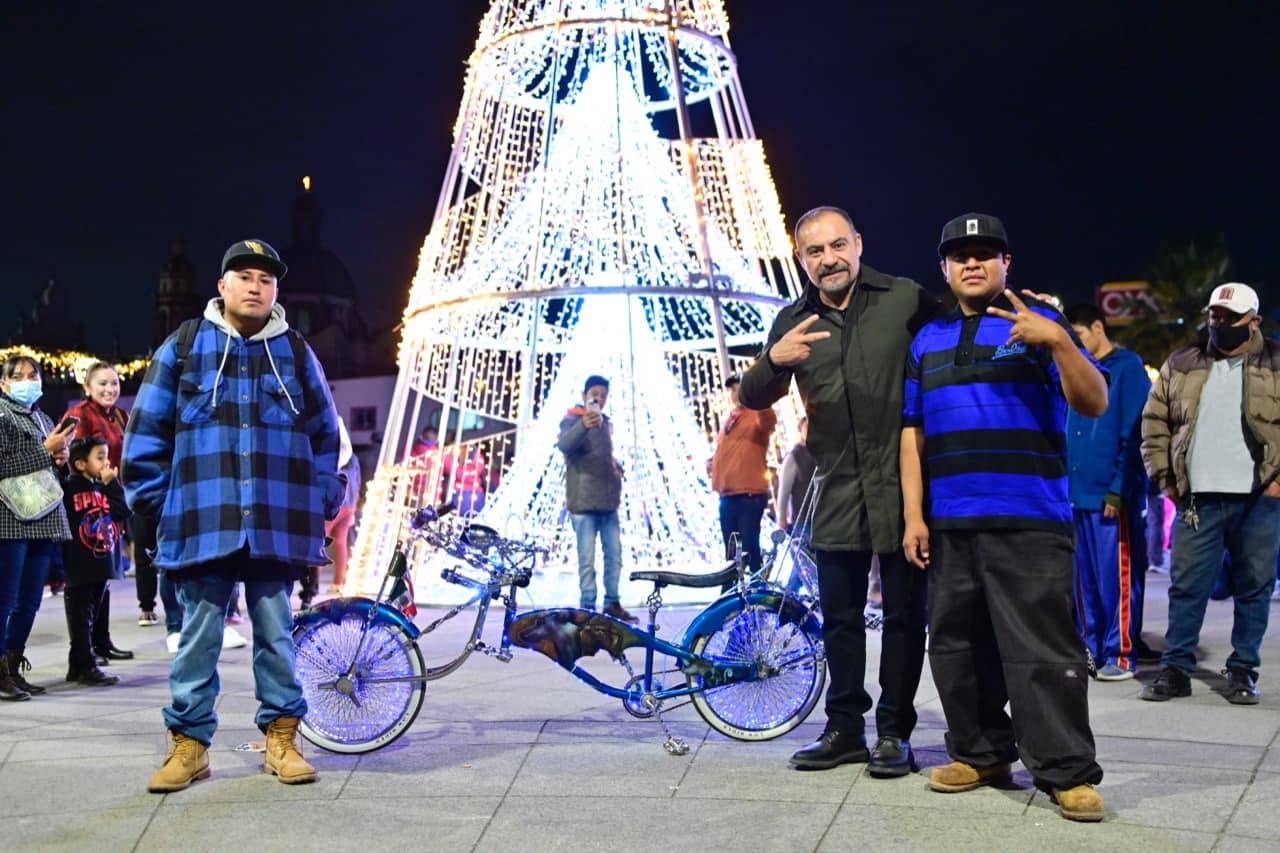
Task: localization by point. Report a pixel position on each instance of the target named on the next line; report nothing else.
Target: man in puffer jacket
(233, 446)
(1211, 441)
(593, 492)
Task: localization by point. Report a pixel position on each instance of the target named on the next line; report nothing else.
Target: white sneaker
(171, 642)
(233, 639)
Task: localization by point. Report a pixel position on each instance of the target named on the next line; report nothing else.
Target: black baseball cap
(973, 228)
(259, 251)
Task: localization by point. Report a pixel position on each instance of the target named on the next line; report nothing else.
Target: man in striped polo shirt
(984, 434)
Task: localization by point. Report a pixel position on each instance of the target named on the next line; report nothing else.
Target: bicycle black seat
(720, 578)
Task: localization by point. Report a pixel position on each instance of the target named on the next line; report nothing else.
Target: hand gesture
(108, 474)
(1035, 329)
(592, 418)
(56, 441)
(915, 542)
(795, 346)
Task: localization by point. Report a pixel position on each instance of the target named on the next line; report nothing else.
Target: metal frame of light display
(573, 238)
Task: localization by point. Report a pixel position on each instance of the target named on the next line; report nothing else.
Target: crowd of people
(995, 460)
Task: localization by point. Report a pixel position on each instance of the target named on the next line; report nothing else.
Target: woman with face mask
(29, 442)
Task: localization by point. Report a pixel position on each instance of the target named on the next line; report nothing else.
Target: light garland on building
(572, 238)
(70, 365)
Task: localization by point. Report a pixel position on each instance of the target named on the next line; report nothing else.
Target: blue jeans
(193, 678)
(588, 525)
(172, 609)
(1249, 530)
(741, 514)
(24, 567)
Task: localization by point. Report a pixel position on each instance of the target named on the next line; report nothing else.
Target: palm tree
(1181, 278)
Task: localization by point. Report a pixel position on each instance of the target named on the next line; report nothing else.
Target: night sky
(1096, 130)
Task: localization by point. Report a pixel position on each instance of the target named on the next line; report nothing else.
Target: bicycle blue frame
(567, 634)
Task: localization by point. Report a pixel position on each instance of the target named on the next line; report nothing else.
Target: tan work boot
(958, 776)
(283, 758)
(1080, 803)
(186, 762)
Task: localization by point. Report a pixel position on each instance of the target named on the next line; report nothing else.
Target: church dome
(313, 269)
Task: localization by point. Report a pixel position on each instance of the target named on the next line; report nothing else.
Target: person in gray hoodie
(593, 491)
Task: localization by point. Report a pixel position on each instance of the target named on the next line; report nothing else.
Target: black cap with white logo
(973, 228)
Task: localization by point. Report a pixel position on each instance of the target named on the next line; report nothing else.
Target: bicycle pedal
(675, 746)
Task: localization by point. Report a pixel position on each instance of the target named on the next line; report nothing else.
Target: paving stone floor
(519, 756)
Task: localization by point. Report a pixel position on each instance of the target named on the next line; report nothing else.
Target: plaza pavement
(519, 756)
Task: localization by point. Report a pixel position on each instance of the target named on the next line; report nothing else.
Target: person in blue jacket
(1108, 488)
(233, 446)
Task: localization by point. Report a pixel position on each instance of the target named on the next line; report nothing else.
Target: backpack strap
(186, 338)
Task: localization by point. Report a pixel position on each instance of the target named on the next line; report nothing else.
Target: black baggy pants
(842, 588)
(1001, 630)
(82, 603)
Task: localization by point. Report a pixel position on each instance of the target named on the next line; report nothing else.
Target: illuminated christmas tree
(573, 237)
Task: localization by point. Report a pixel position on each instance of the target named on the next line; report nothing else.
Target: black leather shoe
(1171, 683)
(1240, 687)
(112, 653)
(892, 757)
(1144, 653)
(831, 750)
(95, 678)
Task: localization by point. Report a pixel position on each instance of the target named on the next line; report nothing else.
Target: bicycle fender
(337, 609)
(730, 604)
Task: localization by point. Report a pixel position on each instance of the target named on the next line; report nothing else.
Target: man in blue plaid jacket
(233, 446)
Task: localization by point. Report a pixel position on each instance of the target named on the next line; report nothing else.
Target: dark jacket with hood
(852, 387)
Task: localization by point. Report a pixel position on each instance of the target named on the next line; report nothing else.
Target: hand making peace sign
(1035, 329)
(796, 345)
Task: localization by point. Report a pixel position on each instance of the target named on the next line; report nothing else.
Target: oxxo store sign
(1118, 300)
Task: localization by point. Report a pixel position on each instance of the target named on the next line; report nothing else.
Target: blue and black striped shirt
(994, 420)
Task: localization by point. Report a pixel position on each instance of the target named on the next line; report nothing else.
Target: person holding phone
(593, 493)
(29, 442)
(97, 416)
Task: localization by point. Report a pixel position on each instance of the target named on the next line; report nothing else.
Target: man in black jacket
(845, 342)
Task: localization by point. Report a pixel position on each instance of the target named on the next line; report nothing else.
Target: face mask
(1228, 338)
(25, 392)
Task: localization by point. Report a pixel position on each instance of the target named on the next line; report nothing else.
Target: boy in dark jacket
(96, 511)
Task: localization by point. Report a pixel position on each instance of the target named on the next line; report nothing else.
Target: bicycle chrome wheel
(793, 673)
(362, 712)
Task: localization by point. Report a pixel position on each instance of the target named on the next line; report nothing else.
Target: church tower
(176, 297)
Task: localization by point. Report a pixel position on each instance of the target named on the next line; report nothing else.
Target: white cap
(1236, 297)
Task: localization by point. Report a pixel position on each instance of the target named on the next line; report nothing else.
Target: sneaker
(172, 641)
(235, 619)
(233, 639)
(147, 619)
(1240, 687)
(1171, 683)
(1112, 672)
(618, 612)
